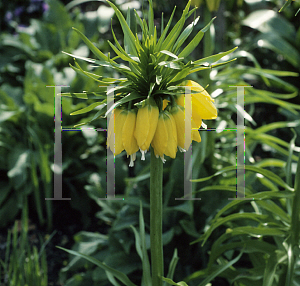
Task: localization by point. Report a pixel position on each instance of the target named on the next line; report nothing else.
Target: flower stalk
(156, 209)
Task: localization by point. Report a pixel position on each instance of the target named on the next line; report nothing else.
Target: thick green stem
(157, 262)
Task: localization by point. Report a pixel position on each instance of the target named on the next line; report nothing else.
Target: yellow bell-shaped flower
(165, 138)
(146, 123)
(120, 133)
(202, 103)
(178, 114)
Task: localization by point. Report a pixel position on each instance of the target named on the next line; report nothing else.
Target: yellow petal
(172, 135)
(180, 100)
(146, 124)
(165, 103)
(202, 102)
(119, 123)
(205, 107)
(153, 119)
(178, 115)
(129, 142)
(111, 128)
(195, 133)
(160, 139)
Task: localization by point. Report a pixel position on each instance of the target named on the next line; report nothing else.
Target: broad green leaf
(194, 43)
(268, 21)
(119, 275)
(279, 45)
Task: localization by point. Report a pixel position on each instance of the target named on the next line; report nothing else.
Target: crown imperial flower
(145, 110)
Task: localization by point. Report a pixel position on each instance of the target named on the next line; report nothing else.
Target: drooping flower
(178, 114)
(165, 138)
(121, 133)
(202, 103)
(146, 123)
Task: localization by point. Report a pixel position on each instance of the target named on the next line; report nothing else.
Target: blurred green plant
(23, 264)
(30, 61)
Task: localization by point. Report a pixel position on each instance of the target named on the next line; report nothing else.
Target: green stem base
(156, 176)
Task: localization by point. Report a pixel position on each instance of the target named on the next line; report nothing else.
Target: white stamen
(203, 125)
(131, 164)
(181, 149)
(143, 154)
(132, 159)
(163, 159)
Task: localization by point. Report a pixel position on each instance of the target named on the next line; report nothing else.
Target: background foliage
(264, 230)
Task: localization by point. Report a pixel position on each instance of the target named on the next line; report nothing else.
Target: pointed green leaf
(173, 264)
(123, 56)
(186, 32)
(169, 54)
(221, 269)
(89, 108)
(214, 58)
(194, 43)
(129, 97)
(145, 259)
(171, 38)
(163, 35)
(151, 18)
(126, 30)
(95, 51)
(171, 64)
(171, 282)
(85, 95)
(270, 175)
